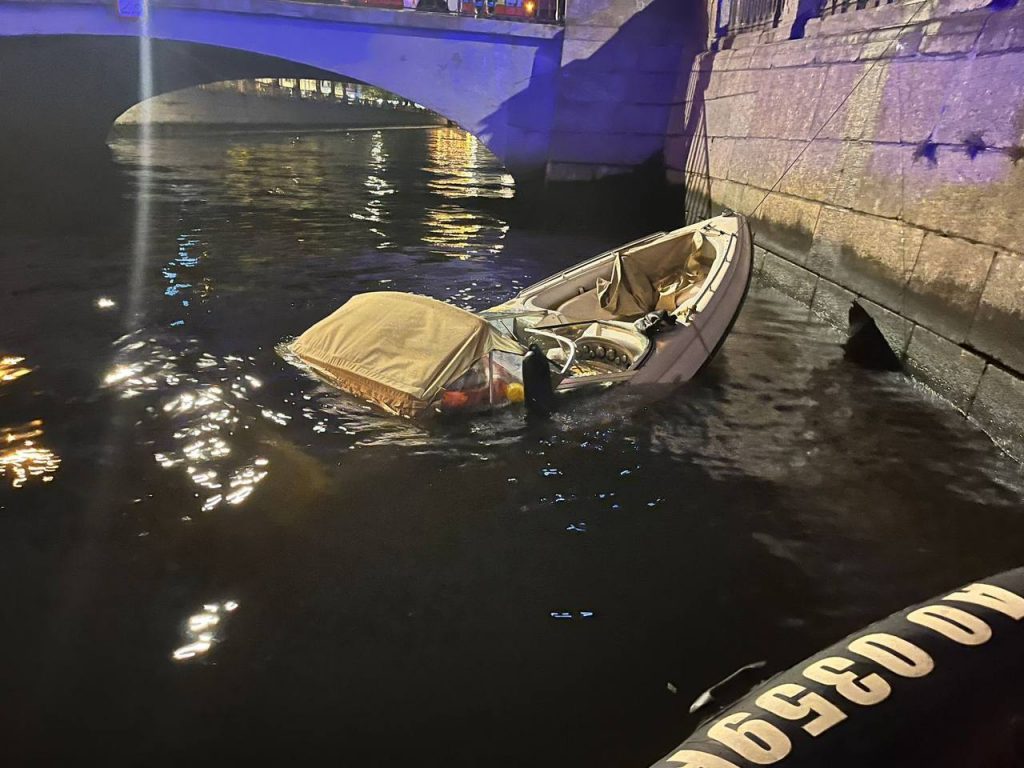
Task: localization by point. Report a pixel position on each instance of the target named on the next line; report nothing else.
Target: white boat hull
(682, 351)
(678, 352)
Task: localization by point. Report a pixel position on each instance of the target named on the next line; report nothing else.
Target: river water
(207, 555)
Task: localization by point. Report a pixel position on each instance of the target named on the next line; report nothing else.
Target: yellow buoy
(515, 392)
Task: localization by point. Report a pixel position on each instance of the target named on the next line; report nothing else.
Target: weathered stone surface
(913, 98)
(687, 83)
(762, 57)
(785, 102)
(979, 199)
(870, 178)
(1003, 32)
(832, 302)
(659, 58)
(877, 49)
(735, 197)
(950, 370)
(999, 408)
(908, 43)
(987, 98)
(719, 156)
(952, 35)
(744, 41)
(726, 83)
(587, 171)
(604, 13)
(782, 224)
(631, 149)
(736, 58)
(946, 285)
(730, 115)
(817, 172)
(789, 278)
(915, 229)
(622, 66)
(792, 53)
(605, 117)
(577, 49)
(867, 254)
(677, 119)
(838, 52)
(944, 8)
(652, 88)
(761, 162)
(998, 328)
(582, 85)
(851, 101)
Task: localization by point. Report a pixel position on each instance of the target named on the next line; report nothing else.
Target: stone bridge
(547, 100)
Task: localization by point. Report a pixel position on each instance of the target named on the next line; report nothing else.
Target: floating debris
(729, 689)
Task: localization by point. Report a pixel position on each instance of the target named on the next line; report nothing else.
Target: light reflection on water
(22, 457)
(202, 630)
(11, 368)
(197, 401)
(489, 572)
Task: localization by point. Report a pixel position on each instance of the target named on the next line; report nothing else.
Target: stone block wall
(619, 68)
(910, 195)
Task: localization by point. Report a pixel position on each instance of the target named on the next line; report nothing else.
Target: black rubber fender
(539, 392)
(940, 683)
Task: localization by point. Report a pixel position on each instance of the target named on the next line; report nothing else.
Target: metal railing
(834, 7)
(747, 15)
(542, 11)
(338, 91)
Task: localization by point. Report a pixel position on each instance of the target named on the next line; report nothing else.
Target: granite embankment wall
(196, 109)
(910, 196)
(616, 83)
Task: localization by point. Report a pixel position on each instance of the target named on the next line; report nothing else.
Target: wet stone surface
(210, 556)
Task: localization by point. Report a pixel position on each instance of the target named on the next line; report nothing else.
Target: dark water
(381, 593)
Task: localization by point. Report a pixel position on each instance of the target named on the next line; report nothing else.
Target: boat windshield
(580, 350)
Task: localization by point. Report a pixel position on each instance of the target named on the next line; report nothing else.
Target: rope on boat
(817, 133)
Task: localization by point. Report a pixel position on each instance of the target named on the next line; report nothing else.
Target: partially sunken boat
(653, 311)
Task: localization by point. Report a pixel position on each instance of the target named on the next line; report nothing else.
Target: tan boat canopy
(398, 350)
(653, 275)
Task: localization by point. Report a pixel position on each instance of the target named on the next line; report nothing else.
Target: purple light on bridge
(130, 9)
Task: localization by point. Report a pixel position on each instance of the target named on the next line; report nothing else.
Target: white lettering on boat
(760, 742)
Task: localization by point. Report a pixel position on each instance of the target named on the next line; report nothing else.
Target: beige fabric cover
(396, 349)
(651, 275)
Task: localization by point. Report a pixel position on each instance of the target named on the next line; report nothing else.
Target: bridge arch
(496, 79)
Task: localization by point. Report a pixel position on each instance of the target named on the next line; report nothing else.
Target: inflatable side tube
(941, 683)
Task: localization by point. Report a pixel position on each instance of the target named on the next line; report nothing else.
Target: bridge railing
(834, 7)
(736, 16)
(542, 11)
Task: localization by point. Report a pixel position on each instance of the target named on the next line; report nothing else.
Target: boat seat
(679, 295)
(587, 305)
(584, 306)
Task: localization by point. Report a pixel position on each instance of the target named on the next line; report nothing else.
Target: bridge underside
(588, 102)
(61, 96)
(495, 79)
